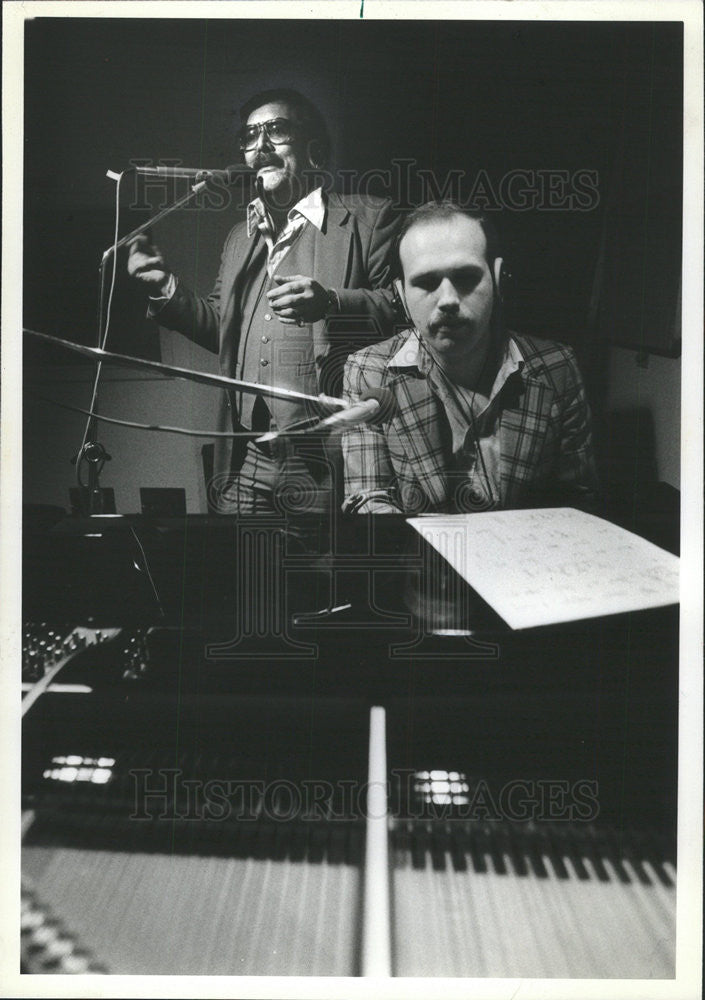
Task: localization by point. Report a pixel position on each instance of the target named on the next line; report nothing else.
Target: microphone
(375, 406)
(227, 176)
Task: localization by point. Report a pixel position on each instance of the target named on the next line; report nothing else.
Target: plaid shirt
(406, 464)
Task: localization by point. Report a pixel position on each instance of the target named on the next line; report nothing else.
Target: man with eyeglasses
(302, 282)
(484, 418)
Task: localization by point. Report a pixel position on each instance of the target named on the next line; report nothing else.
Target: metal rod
(188, 375)
(195, 190)
(376, 926)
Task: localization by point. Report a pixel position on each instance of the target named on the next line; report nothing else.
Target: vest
(271, 352)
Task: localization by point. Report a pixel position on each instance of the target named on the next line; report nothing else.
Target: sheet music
(541, 567)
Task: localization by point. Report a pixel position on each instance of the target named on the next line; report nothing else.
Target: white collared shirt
(311, 208)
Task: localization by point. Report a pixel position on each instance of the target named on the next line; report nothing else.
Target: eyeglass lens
(278, 130)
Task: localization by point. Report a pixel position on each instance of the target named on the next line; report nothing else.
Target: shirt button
(265, 340)
(264, 362)
(267, 316)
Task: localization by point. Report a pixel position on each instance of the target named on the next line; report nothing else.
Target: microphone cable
(161, 427)
(103, 330)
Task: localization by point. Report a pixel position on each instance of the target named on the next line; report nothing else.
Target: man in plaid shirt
(484, 418)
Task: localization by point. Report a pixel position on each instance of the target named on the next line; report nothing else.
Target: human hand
(146, 264)
(298, 299)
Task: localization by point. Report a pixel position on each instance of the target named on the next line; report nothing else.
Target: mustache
(450, 322)
(267, 160)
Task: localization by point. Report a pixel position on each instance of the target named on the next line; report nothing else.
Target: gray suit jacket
(352, 255)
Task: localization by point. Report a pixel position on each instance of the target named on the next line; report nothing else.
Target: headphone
(316, 154)
(399, 303)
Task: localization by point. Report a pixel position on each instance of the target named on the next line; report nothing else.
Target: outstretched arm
(172, 304)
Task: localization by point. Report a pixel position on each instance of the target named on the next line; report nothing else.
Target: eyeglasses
(278, 130)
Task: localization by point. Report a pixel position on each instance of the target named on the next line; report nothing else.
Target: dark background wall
(484, 98)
